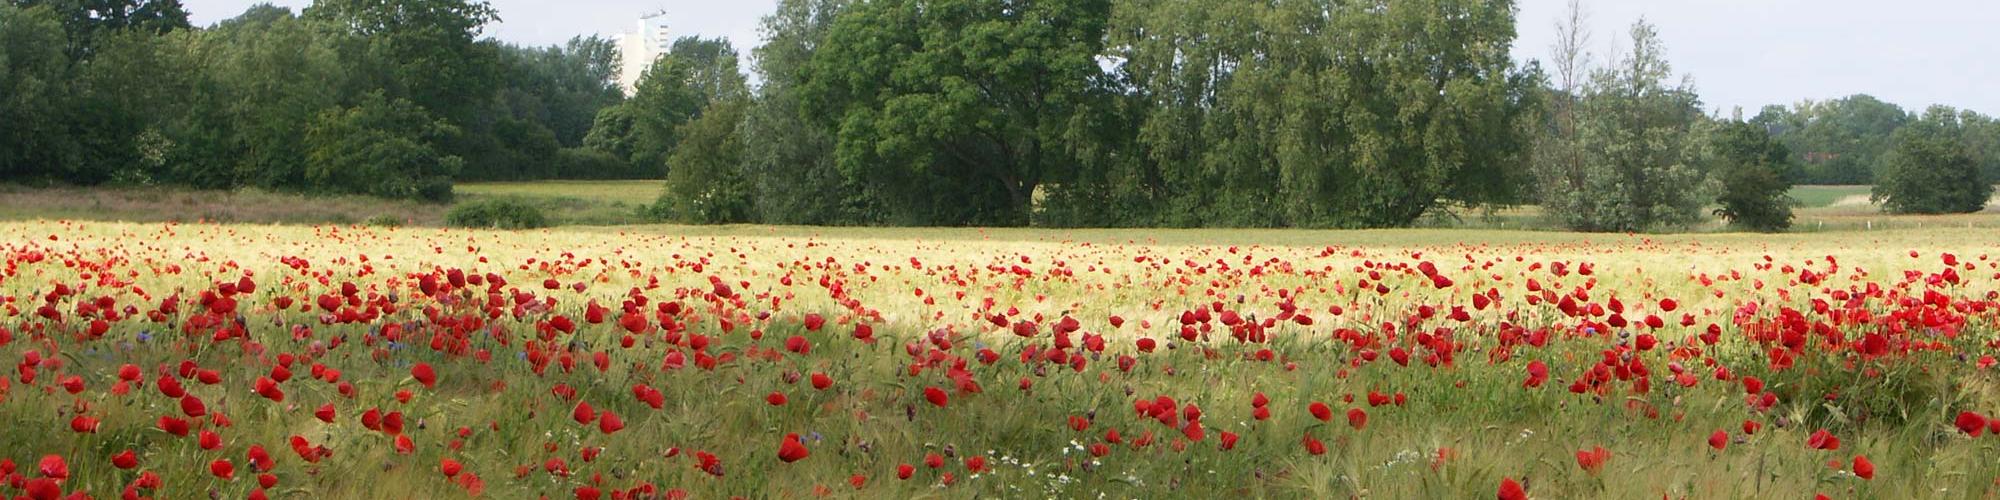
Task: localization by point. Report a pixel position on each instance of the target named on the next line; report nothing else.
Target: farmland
(183, 360)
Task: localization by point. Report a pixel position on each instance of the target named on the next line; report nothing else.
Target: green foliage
(380, 147)
(585, 163)
(85, 22)
(1931, 170)
(790, 167)
(1842, 141)
(34, 95)
(1638, 146)
(1299, 114)
(496, 214)
(705, 184)
(675, 89)
(423, 51)
(384, 220)
(1751, 168)
(560, 87)
(953, 112)
(275, 73)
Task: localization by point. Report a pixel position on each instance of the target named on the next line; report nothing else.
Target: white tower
(641, 48)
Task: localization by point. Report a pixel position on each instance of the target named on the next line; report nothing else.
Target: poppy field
(244, 361)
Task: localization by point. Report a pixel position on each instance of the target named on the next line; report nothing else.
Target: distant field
(585, 203)
(149, 204)
(629, 193)
(1827, 196)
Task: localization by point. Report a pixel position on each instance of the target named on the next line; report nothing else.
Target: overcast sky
(1741, 52)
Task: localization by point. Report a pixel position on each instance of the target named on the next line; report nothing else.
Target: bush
(384, 220)
(496, 214)
(582, 163)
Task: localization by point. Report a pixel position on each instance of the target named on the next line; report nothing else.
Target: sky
(1741, 53)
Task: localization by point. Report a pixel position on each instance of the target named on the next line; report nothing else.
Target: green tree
(644, 129)
(85, 21)
(1930, 168)
(791, 171)
(34, 95)
(136, 84)
(276, 73)
(1640, 144)
(1309, 114)
(705, 183)
(1751, 168)
(1841, 141)
(380, 147)
(560, 87)
(1982, 134)
(953, 112)
(423, 51)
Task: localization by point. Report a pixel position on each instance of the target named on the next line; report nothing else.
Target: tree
(276, 73)
(1930, 169)
(85, 21)
(34, 95)
(422, 51)
(953, 112)
(1982, 134)
(791, 171)
(705, 184)
(1308, 114)
(1841, 141)
(1641, 146)
(380, 147)
(561, 87)
(1751, 168)
(644, 129)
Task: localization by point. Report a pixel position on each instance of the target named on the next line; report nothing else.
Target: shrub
(384, 220)
(496, 214)
(580, 163)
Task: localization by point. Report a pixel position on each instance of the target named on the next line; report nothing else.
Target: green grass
(1826, 196)
(628, 192)
(585, 203)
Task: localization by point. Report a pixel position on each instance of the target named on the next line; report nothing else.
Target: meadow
(183, 360)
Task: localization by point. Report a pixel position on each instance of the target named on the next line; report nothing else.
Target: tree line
(394, 99)
(1180, 113)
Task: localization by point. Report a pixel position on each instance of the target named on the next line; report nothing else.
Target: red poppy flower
(53, 467)
(1823, 440)
(610, 423)
(1510, 490)
(424, 374)
(222, 468)
(1592, 460)
(791, 450)
(1970, 423)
